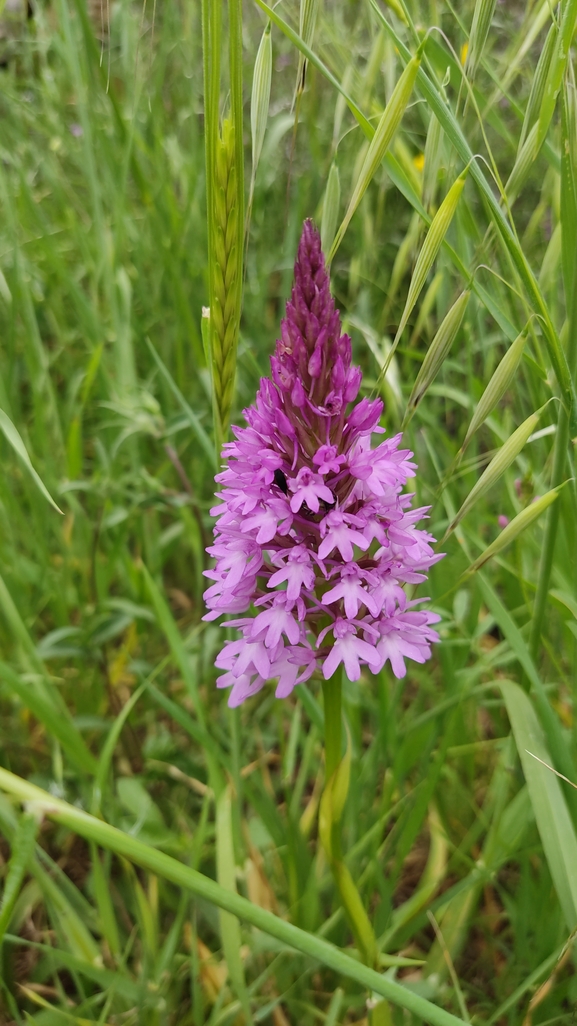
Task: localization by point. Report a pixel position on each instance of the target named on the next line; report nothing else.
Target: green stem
(562, 453)
(332, 695)
(560, 456)
(336, 787)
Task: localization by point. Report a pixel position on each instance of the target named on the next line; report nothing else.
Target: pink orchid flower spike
(314, 539)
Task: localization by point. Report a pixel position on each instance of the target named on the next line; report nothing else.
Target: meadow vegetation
(462, 843)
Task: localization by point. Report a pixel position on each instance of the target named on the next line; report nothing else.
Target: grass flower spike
(314, 539)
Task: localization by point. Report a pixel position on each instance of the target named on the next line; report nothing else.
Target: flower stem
(332, 804)
(332, 695)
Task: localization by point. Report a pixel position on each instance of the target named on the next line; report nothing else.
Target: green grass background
(463, 846)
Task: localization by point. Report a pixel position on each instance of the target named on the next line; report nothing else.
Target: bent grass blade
(547, 798)
(436, 353)
(498, 385)
(13, 437)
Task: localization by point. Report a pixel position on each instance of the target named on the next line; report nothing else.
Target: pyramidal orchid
(314, 539)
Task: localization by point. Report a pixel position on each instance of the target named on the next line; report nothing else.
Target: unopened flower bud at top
(315, 539)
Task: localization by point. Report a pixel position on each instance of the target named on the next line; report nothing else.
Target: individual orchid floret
(309, 488)
(315, 539)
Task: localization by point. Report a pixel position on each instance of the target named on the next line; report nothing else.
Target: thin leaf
(437, 352)
(193, 420)
(22, 846)
(556, 739)
(116, 981)
(260, 97)
(551, 813)
(482, 18)
(557, 68)
(12, 436)
(539, 79)
(57, 721)
(226, 875)
(308, 14)
(109, 748)
(331, 204)
(394, 169)
(181, 657)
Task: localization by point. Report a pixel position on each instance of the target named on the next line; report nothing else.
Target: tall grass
(139, 817)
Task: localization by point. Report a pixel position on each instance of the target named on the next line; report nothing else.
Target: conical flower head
(315, 539)
(312, 362)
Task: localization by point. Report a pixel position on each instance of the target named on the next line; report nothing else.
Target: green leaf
(109, 749)
(519, 524)
(226, 875)
(555, 738)
(12, 436)
(430, 248)
(557, 68)
(22, 851)
(58, 722)
(115, 981)
(551, 813)
(497, 467)
(193, 420)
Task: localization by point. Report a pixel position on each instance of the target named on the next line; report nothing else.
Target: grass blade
(308, 15)
(557, 68)
(482, 18)
(436, 353)
(188, 412)
(56, 720)
(13, 437)
(109, 748)
(551, 813)
(181, 657)
(556, 740)
(498, 385)
(455, 135)
(226, 876)
(331, 204)
(433, 151)
(569, 267)
(22, 851)
(538, 84)
(260, 97)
